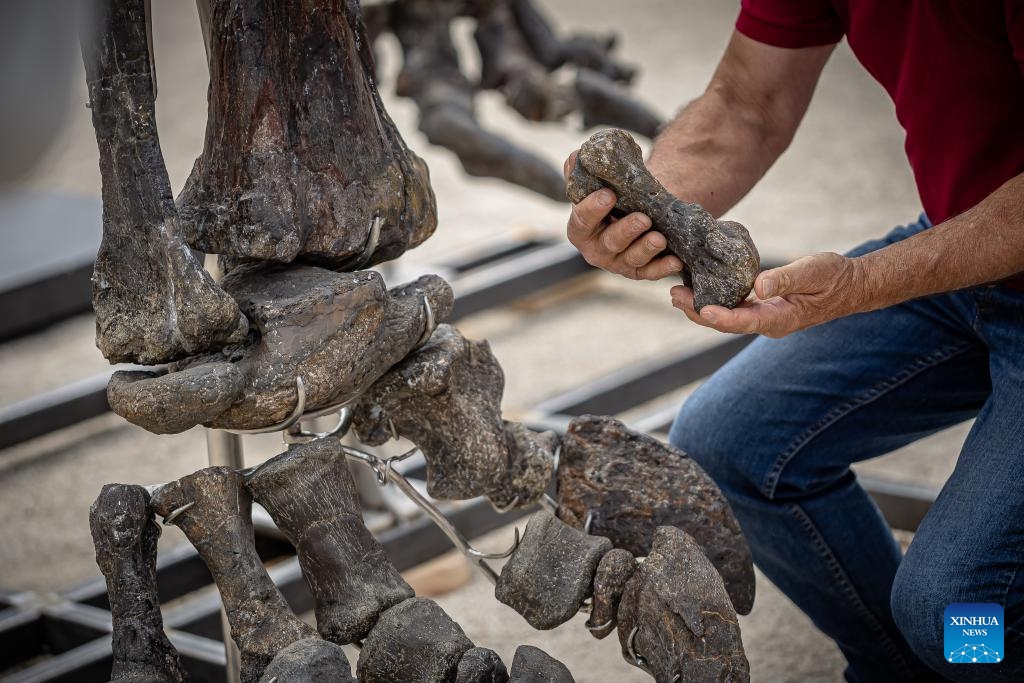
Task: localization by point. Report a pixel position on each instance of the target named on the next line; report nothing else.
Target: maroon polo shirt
(954, 69)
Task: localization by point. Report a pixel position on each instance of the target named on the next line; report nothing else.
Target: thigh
(789, 415)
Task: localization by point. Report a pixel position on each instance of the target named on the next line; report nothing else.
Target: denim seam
(839, 576)
(771, 479)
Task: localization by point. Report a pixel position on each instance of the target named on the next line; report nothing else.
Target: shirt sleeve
(1015, 29)
(790, 23)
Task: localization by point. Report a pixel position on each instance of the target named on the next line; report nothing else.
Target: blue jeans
(778, 426)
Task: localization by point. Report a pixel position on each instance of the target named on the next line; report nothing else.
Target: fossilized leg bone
(168, 404)
(432, 78)
(533, 665)
(721, 260)
(125, 535)
(301, 160)
(603, 103)
(675, 618)
(613, 571)
(591, 52)
(311, 660)
(214, 510)
(629, 484)
(480, 665)
(551, 573)
(508, 65)
(531, 458)
(338, 332)
(310, 493)
(413, 641)
(445, 398)
(154, 302)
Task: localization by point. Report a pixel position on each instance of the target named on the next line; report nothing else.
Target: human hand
(625, 246)
(810, 291)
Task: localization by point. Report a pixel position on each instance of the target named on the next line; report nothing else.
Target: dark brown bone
(413, 641)
(219, 525)
(508, 65)
(154, 302)
(480, 665)
(309, 661)
(684, 622)
(168, 404)
(338, 331)
(445, 398)
(125, 535)
(310, 493)
(614, 570)
(431, 76)
(603, 103)
(630, 484)
(533, 665)
(720, 258)
(530, 464)
(301, 159)
(591, 52)
(551, 572)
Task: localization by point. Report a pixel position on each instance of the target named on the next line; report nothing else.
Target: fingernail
(606, 198)
(651, 246)
(768, 286)
(709, 316)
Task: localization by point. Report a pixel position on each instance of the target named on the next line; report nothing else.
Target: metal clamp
(370, 246)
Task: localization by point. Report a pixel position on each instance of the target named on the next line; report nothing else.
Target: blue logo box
(974, 633)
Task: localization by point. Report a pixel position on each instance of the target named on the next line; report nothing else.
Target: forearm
(984, 244)
(714, 151)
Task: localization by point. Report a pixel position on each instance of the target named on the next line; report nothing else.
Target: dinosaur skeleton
(304, 181)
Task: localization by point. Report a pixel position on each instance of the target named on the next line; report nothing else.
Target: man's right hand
(625, 246)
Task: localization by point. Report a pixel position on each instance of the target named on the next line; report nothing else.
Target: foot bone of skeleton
(125, 535)
(532, 665)
(310, 660)
(675, 619)
(627, 484)
(154, 302)
(214, 510)
(336, 332)
(720, 260)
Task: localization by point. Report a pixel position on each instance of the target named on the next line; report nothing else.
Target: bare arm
(712, 154)
(984, 244)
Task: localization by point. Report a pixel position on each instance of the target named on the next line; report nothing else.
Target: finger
(774, 282)
(587, 217)
(569, 164)
(682, 298)
(767, 320)
(642, 250)
(660, 268)
(617, 237)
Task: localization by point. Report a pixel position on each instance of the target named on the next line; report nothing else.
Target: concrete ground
(844, 180)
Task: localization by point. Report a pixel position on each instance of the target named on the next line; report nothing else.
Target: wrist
(863, 290)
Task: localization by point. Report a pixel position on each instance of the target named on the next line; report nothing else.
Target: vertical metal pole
(225, 449)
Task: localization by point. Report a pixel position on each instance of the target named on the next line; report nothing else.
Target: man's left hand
(809, 291)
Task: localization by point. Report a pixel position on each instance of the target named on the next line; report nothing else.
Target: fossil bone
(480, 665)
(125, 535)
(431, 76)
(168, 404)
(301, 160)
(311, 495)
(533, 665)
(551, 573)
(629, 484)
(215, 512)
(603, 103)
(613, 571)
(675, 618)
(720, 259)
(530, 465)
(445, 398)
(311, 660)
(413, 641)
(154, 302)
